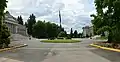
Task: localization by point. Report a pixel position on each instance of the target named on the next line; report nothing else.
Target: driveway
(37, 51)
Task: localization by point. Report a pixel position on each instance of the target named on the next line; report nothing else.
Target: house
(13, 25)
(87, 31)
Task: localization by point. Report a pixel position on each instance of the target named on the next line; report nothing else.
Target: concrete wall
(21, 30)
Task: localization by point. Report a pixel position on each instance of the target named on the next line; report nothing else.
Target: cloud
(75, 13)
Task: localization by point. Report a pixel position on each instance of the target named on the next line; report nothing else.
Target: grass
(60, 41)
(101, 38)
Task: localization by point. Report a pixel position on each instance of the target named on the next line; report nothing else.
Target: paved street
(50, 52)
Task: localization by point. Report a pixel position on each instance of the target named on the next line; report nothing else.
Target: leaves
(107, 20)
(4, 32)
(104, 28)
(71, 33)
(75, 34)
(30, 23)
(20, 20)
(45, 30)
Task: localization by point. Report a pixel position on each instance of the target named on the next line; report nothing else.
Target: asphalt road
(32, 53)
(37, 51)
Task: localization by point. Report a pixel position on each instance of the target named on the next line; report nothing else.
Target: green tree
(39, 30)
(65, 33)
(4, 33)
(109, 19)
(80, 35)
(26, 24)
(62, 34)
(45, 30)
(30, 22)
(71, 33)
(75, 34)
(20, 20)
(52, 29)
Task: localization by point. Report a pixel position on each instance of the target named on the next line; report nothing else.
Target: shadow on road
(110, 55)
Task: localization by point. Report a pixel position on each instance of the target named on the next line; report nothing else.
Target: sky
(75, 13)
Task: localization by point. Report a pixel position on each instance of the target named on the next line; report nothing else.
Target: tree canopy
(75, 34)
(107, 18)
(20, 20)
(30, 22)
(71, 33)
(4, 32)
(45, 30)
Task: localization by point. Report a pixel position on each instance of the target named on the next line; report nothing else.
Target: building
(13, 25)
(87, 31)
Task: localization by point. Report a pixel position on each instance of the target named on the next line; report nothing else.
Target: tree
(62, 34)
(80, 35)
(65, 33)
(26, 24)
(52, 30)
(75, 34)
(45, 30)
(4, 32)
(39, 30)
(30, 22)
(71, 33)
(103, 34)
(108, 20)
(20, 20)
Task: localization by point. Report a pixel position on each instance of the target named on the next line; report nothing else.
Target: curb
(5, 49)
(105, 48)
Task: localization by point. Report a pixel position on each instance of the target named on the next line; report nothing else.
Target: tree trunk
(110, 38)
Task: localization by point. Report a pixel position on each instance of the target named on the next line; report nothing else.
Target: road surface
(50, 52)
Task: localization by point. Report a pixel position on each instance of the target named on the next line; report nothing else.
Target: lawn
(60, 41)
(101, 38)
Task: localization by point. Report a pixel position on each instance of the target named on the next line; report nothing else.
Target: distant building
(13, 25)
(87, 31)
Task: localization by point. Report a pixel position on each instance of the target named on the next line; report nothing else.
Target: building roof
(10, 18)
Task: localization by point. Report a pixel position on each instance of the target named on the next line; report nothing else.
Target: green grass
(60, 41)
(101, 38)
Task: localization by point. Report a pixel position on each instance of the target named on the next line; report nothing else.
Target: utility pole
(60, 19)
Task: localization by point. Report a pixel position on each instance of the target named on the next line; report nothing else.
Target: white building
(88, 31)
(13, 25)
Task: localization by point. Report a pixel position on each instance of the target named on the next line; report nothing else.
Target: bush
(68, 37)
(5, 40)
(51, 38)
(62, 34)
(60, 38)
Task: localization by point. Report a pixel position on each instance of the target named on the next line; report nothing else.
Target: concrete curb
(105, 48)
(5, 49)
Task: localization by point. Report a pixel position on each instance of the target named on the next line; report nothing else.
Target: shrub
(51, 38)
(62, 34)
(60, 38)
(68, 37)
(5, 40)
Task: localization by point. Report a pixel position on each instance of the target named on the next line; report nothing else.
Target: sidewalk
(8, 60)
(16, 43)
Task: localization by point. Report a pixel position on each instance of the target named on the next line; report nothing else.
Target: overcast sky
(75, 13)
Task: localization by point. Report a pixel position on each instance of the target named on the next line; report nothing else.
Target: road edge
(105, 48)
(15, 47)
